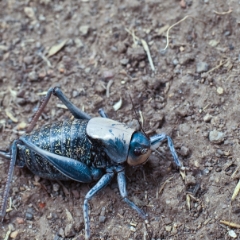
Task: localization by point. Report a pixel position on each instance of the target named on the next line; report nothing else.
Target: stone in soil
(202, 67)
(216, 137)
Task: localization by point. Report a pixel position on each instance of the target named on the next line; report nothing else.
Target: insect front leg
(122, 185)
(76, 112)
(155, 142)
(5, 154)
(13, 157)
(102, 113)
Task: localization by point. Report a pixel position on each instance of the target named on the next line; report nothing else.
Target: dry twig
(218, 66)
(223, 13)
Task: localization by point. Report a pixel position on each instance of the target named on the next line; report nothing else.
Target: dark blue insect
(84, 149)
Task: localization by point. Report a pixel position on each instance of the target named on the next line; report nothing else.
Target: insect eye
(140, 151)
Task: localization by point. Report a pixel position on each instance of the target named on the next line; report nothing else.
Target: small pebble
(124, 61)
(184, 128)
(78, 43)
(107, 74)
(207, 117)
(190, 180)
(168, 228)
(175, 62)
(69, 230)
(61, 232)
(202, 67)
(75, 93)
(216, 137)
(133, 229)
(232, 234)
(227, 33)
(33, 76)
(220, 90)
(87, 70)
(102, 219)
(184, 151)
(28, 59)
(103, 211)
(136, 53)
(29, 216)
(174, 230)
(56, 187)
(20, 220)
(49, 216)
(14, 234)
(84, 30)
(11, 227)
(99, 88)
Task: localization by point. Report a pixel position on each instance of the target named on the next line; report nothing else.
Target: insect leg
(102, 113)
(104, 181)
(123, 191)
(13, 156)
(71, 168)
(76, 112)
(5, 154)
(155, 141)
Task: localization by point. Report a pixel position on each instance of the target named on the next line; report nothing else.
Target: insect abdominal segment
(83, 149)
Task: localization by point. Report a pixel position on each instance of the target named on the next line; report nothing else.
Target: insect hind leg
(13, 157)
(76, 112)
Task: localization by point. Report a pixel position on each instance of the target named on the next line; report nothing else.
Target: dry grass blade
(163, 185)
(230, 224)
(162, 29)
(42, 93)
(117, 105)
(182, 173)
(135, 38)
(218, 66)
(56, 48)
(59, 105)
(10, 115)
(236, 191)
(146, 48)
(45, 59)
(167, 34)
(223, 13)
(108, 88)
(10, 229)
(69, 216)
(10, 205)
(236, 171)
(188, 201)
(7, 235)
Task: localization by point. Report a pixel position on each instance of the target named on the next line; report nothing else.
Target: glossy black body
(65, 138)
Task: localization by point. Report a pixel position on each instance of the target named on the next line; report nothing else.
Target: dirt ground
(94, 51)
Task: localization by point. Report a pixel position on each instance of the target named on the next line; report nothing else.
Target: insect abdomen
(67, 138)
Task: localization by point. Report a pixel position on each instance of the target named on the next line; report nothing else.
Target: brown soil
(193, 91)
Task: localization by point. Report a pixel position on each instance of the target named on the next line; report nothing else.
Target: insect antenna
(137, 116)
